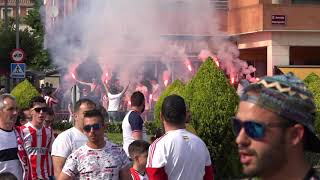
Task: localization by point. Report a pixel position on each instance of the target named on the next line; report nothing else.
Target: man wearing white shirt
(71, 139)
(114, 103)
(132, 124)
(179, 154)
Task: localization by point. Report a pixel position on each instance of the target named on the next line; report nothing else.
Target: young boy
(138, 151)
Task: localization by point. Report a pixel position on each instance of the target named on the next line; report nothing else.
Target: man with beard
(98, 158)
(132, 124)
(13, 157)
(274, 126)
(179, 154)
(38, 140)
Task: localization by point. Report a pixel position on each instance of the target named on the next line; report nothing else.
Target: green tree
(212, 101)
(177, 87)
(42, 59)
(8, 39)
(24, 92)
(313, 83)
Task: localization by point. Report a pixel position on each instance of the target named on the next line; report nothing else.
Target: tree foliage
(177, 87)
(24, 92)
(313, 83)
(212, 101)
(42, 59)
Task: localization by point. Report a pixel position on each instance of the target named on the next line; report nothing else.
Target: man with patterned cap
(274, 126)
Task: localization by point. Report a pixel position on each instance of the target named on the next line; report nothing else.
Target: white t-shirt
(178, 155)
(87, 163)
(67, 142)
(9, 160)
(132, 122)
(114, 101)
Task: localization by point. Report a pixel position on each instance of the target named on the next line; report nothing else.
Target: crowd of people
(273, 127)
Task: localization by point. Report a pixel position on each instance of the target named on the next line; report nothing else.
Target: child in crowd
(138, 151)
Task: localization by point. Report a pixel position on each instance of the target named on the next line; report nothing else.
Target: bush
(61, 126)
(313, 83)
(114, 127)
(177, 87)
(24, 92)
(212, 101)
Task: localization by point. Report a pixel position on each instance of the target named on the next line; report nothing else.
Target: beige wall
(248, 16)
(298, 17)
(246, 19)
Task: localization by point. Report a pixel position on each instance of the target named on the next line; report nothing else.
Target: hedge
(24, 92)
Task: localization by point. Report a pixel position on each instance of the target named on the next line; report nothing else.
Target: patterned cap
(287, 96)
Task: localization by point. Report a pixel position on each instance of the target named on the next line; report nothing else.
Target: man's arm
(58, 163)
(137, 135)
(64, 176)
(124, 174)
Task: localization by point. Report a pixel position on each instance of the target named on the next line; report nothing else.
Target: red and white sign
(17, 55)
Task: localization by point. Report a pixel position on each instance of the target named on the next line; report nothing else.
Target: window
(9, 12)
(305, 1)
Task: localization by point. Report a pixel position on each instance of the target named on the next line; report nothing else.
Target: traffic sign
(17, 55)
(18, 70)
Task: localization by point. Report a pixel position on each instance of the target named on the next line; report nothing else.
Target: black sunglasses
(254, 129)
(95, 127)
(43, 109)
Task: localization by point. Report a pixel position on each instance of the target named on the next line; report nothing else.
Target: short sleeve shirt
(67, 142)
(87, 163)
(132, 122)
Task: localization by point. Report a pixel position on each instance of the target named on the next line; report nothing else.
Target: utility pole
(6, 15)
(17, 23)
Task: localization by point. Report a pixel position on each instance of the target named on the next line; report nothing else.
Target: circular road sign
(17, 55)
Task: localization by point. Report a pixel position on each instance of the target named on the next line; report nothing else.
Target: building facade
(25, 7)
(277, 34)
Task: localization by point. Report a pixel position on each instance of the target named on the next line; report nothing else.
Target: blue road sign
(18, 70)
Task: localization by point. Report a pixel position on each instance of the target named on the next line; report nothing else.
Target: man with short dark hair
(132, 124)
(13, 157)
(38, 140)
(98, 158)
(179, 154)
(71, 139)
(274, 126)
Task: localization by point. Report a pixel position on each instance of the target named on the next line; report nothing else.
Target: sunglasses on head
(254, 129)
(95, 127)
(43, 109)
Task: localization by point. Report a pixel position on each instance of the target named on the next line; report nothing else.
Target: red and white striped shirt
(37, 143)
(137, 176)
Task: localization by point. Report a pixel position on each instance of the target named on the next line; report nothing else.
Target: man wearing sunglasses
(38, 140)
(274, 126)
(71, 139)
(98, 158)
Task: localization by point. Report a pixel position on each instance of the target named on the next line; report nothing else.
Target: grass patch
(115, 138)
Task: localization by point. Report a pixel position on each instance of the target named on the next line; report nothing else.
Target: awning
(301, 71)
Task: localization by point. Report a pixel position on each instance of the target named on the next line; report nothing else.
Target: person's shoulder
(67, 134)
(113, 147)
